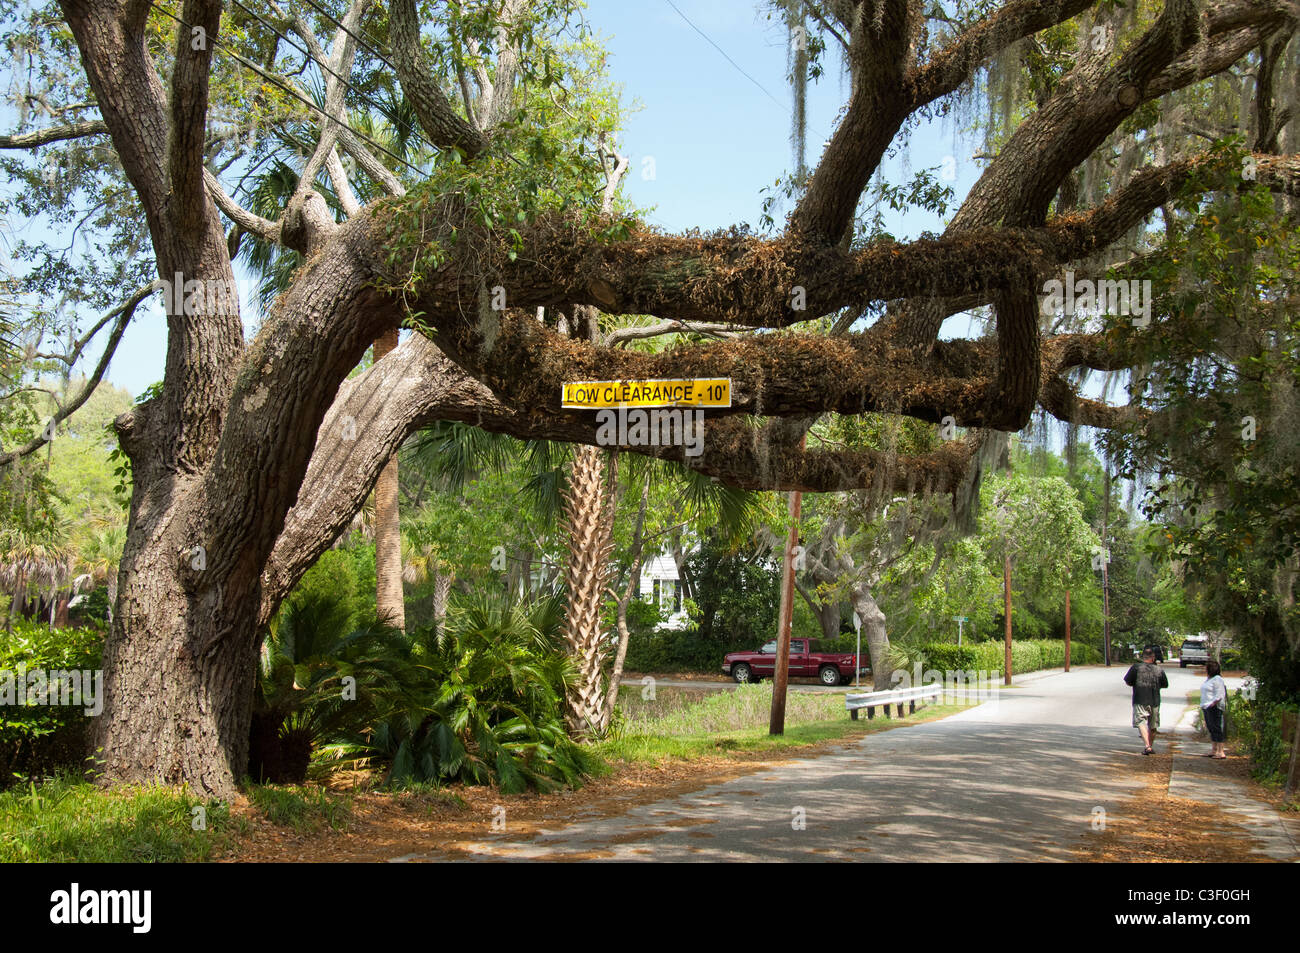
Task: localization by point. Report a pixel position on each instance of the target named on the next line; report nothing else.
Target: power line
(360, 42)
(306, 52)
(738, 67)
(280, 82)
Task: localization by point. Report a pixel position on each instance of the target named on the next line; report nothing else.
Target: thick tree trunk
(390, 599)
(874, 635)
(829, 617)
(178, 680)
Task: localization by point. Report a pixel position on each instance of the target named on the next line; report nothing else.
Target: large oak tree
(255, 454)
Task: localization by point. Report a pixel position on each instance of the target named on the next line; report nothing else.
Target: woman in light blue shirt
(1214, 702)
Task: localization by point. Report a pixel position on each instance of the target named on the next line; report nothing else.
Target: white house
(660, 585)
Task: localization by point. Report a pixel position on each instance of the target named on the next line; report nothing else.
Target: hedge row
(670, 650)
(1027, 655)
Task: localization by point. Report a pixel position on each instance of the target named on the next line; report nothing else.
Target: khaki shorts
(1149, 713)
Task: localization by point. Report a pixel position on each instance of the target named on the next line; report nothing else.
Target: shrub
(1027, 655)
(673, 650)
(494, 710)
(303, 700)
(42, 739)
(1258, 722)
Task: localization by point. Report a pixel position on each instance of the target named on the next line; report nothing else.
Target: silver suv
(1193, 652)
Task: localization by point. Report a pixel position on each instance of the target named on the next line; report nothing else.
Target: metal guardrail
(897, 696)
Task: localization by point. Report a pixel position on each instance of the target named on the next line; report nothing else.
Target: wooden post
(781, 676)
(1067, 630)
(1105, 560)
(1289, 790)
(1006, 588)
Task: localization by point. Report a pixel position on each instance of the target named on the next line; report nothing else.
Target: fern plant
(493, 709)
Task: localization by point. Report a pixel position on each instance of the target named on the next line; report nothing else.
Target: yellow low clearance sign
(700, 392)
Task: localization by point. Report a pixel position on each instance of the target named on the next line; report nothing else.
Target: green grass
(745, 706)
(305, 808)
(63, 819)
(738, 721)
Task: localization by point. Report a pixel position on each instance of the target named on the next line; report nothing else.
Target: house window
(667, 596)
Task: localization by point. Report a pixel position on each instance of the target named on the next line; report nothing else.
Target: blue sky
(716, 138)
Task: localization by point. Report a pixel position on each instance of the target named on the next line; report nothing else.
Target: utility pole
(1288, 792)
(781, 676)
(1067, 630)
(1105, 602)
(1006, 587)
(1105, 561)
(857, 656)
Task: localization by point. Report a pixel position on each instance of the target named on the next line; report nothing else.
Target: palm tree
(99, 559)
(34, 568)
(589, 504)
(578, 486)
(322, 676)
(422, 562)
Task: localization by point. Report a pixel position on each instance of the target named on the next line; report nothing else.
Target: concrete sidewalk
(1198, 778)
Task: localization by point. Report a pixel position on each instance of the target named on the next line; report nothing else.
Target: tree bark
(390, 597)
(441, 589)
(178, 679)
(874, 634)
(589, 523)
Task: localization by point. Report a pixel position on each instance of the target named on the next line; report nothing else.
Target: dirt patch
(1153, 826)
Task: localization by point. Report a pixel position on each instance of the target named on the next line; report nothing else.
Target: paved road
(1014, 779)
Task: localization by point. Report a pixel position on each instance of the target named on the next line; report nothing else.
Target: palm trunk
(589, 518)
(390, 599)
(441, 589)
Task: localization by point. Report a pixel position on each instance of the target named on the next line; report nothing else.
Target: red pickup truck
(832, 668)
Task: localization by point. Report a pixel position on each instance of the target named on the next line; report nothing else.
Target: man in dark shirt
(1146, 679)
